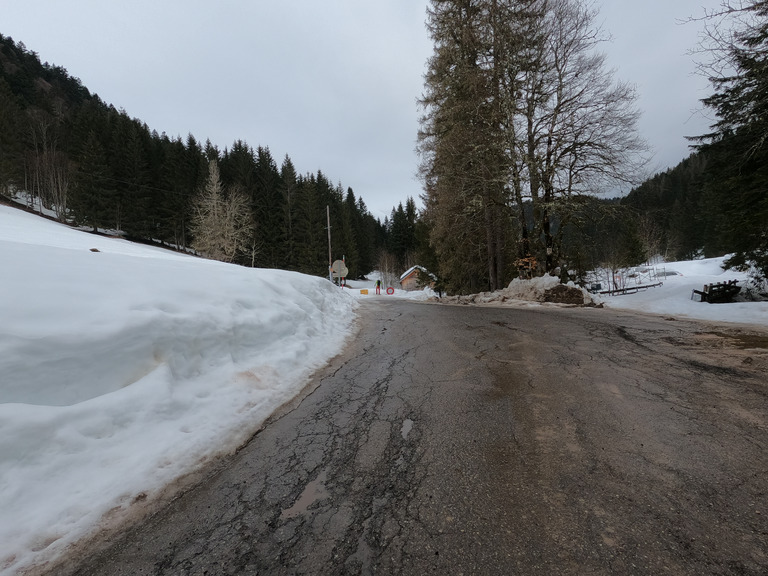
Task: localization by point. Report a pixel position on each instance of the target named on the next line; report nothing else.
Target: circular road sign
(339, 269)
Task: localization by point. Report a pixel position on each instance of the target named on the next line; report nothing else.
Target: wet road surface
(474, 440)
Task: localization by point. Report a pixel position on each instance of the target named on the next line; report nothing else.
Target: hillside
(91, 164)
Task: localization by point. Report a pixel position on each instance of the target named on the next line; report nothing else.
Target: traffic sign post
(339, 269)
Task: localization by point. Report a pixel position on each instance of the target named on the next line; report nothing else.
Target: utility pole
(330, 258)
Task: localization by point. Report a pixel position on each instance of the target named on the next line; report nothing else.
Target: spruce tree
(737, 176)
(93, 189)
(288, 191)
(268, 210)
(11, 138)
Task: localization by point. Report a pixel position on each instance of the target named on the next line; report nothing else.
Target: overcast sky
(332, 84)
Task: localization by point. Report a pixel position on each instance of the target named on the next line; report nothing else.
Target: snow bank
(549, 289)
(537, 290)
(123, 367)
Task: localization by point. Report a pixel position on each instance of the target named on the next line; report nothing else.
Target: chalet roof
(413, 269)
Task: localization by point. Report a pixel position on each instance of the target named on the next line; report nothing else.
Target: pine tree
(311, 248)
(134, 178)
(288, 191)
(174, 195)
(357, 254)
(11, 130)
(460, 145)
(93, 187)
(268, 210)
(737, 176)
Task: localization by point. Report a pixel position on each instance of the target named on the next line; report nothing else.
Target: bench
(718, 293)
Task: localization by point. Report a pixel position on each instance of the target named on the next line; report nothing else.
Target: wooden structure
(416, 278)
(718, 293)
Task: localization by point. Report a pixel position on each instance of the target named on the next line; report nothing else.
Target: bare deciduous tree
(221, 220)
(48, 169)
(575, 127)
(388, 268)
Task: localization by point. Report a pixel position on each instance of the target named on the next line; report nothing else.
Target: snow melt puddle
(313, 492)
(406, 429)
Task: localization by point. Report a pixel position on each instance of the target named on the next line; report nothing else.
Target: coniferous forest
(716, 201)
(510, 182)
(96, 167)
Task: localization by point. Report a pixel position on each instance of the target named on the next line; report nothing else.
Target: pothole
(313, 492)
(406, 428)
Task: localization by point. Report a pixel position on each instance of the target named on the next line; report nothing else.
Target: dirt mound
(562, 294)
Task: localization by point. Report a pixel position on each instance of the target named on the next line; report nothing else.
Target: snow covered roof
(412, 269)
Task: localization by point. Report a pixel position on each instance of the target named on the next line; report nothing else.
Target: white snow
(521, 293)
(125, 368)
(531, 289)
(673, 298)
(358, 288)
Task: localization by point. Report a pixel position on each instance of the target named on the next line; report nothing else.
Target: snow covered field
(124, 367)
(673, 298)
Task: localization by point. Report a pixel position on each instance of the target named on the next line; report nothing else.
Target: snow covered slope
(126, 367)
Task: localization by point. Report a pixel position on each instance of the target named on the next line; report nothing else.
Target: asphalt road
(470, 440)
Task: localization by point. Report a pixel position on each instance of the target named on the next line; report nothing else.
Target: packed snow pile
(542, 289)
(549, 289)
(124, 367)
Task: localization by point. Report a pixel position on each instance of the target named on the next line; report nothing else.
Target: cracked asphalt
(475, 440)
